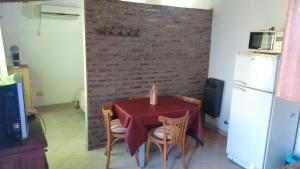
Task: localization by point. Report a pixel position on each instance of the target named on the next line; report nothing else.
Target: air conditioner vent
(60, 10)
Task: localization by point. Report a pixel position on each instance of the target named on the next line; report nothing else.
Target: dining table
(139, 117)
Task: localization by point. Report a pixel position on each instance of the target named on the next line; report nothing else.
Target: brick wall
(172, 49)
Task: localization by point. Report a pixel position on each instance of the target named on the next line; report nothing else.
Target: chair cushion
(117, 127)
(159, 132)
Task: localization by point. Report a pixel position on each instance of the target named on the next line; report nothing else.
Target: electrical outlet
(40, 93)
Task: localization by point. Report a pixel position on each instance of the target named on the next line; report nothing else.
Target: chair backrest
(107, 114)
(176, 128)
(142, 96)
(190, 99)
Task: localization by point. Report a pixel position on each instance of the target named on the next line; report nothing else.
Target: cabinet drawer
(33, 160)
(7, 163)
(28, 160)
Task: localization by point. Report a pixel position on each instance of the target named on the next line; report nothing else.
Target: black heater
(212, 99)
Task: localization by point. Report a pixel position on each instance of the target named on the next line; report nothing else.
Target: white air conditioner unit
(60, 10)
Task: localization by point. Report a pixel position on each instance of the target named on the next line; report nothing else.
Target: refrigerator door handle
(240, 88)
(240, 81)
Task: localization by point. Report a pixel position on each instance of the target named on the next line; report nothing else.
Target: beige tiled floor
(67, 147)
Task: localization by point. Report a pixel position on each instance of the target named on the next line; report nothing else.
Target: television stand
(28, 153)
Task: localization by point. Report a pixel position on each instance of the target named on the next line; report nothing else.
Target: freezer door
(256, 71)
(282, 132)
(248, 126)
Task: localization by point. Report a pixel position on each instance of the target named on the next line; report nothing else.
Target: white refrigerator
(262, 128)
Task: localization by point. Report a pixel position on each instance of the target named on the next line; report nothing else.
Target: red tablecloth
(138, 116)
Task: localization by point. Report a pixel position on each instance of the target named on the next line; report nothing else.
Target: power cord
(43, 122)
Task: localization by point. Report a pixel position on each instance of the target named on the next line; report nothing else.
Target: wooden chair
(114, 130)
(143, 96)
(171, 133)
(195, 101)
(190, 99)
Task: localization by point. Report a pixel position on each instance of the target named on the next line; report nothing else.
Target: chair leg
(127, 148)
(165, 161)
(165, 156)
(108, 151)
(148, 151)
(106, 148)
(137, 158)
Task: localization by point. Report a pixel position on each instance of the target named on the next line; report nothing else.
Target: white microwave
(266, 41)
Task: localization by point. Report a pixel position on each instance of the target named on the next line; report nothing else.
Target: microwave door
(261, 40)
(255, 40)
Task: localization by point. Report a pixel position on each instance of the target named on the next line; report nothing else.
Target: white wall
(51, 46)
(85, 109)
(232, 22)
(3, 70)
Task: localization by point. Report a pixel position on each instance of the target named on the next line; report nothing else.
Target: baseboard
(215, 128)
(55, 107)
